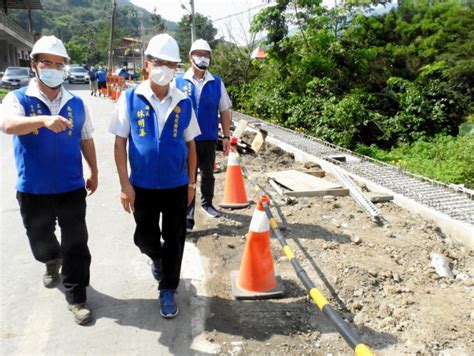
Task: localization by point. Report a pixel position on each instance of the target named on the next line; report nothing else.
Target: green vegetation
(85, 27)
(402, 80)
(204, 29)
(3, 92)
(444, 158)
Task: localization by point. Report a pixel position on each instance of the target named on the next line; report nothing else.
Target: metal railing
(15, 27)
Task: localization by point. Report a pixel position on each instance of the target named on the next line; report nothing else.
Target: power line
(240, 13)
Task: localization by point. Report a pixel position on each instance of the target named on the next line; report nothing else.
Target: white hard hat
(200, 45)
(49, 45)
(163, 46)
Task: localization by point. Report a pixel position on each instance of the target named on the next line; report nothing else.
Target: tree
(204, 29)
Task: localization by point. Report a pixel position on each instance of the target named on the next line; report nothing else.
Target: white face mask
(162, 75)
(201, 62)
(52, 78)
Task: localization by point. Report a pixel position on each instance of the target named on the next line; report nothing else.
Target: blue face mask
(52, 78)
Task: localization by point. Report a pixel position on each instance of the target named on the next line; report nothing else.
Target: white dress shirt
(224, 103)
(11, 106)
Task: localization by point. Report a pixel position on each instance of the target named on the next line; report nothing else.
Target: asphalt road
(123, 294)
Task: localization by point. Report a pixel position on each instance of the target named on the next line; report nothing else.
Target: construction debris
(357, 194)
(301, 184)
(379, 197)
(259, 140)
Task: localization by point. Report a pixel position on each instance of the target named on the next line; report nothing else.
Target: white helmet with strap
(164, 47)
(200, 45)
(49, 45)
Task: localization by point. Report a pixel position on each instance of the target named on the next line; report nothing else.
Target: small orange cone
(114, 92)
(235, 196)
(256, 278)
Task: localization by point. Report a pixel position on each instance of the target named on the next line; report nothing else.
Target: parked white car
(78, 75)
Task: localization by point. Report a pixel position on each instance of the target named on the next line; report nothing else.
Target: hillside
(85, 26)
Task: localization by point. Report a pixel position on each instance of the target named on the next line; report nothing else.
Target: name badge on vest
(188, 89)
(141, 120)
(35, 112)
(176, 110)
(71, 120)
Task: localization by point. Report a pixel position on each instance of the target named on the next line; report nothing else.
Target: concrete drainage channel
(451, 207)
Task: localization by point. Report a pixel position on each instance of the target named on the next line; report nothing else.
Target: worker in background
(101, 80)
(93, 81)
(212, 105)
(158, 123)
(51, 128)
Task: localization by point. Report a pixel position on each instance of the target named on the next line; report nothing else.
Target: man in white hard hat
(51, 128)
(158, 123)
(212, 105)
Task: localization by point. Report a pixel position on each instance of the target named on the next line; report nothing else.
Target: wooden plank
(259, 140)
(239, 130)
(316, 173)
(340, 192)
(299, 181)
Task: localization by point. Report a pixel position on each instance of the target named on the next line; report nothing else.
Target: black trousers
(171, 205)
(40, 213)
(206, 155)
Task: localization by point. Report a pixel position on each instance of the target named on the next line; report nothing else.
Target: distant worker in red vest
(212, 106)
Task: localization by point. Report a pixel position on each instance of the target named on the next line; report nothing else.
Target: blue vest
(101, 76)
(48, 162)
(208, 108)
(157, 161)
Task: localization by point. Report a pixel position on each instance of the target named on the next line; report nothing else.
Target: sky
(233, 28)
(231, 18)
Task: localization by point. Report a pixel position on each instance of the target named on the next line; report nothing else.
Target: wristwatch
(226, 137)
(192, 185)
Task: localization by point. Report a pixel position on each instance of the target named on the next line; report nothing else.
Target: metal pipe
(318, 298)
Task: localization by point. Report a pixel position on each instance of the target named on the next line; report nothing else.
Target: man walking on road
(158, 122)
(93, 81)
(210, 101)
(51, 128)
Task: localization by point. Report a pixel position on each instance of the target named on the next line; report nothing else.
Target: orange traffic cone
(256, 278)
(114, 92)
(235, 196)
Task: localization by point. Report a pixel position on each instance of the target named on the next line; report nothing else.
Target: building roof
(22, 4)
(259, 53)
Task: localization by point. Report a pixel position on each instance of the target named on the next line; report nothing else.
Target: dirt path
(378, 278)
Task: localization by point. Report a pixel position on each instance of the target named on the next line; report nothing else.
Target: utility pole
(111, 38)
(193, 22)
(142, 40)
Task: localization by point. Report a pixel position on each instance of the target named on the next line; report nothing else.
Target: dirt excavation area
(379, 278)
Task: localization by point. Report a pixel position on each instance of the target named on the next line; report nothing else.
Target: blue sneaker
(156, 269)
(210, 211)
(168, 309)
